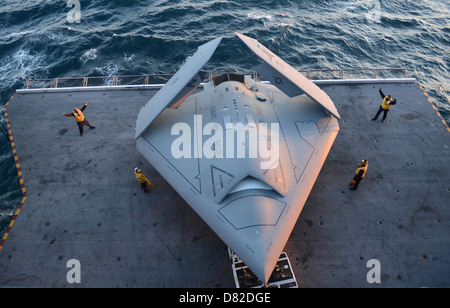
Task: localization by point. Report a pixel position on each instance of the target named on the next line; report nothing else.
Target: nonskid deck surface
(84, 203)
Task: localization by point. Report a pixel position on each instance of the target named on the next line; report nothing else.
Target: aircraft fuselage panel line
(198, 187)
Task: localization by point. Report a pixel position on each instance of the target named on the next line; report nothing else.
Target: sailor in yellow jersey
(359, 174)
(385, 106)
(80, 118)
(145, 183)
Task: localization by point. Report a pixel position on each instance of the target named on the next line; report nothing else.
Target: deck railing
(362, 73)
(154, 79)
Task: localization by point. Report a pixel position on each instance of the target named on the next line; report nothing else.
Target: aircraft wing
(182, 83)
(286, 78)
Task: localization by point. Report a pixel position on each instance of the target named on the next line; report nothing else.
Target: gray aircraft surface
(244, 154)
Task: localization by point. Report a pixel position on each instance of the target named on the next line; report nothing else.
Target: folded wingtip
(177, 85)
(281, 71)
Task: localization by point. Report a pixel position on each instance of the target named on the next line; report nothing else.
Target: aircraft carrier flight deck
(83, 202)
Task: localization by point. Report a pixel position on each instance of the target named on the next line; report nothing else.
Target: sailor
(385, 106)
(359, 174)
(145, 183)
(79, 118)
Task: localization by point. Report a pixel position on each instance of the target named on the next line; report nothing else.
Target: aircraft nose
(263, 265)
(256, 217)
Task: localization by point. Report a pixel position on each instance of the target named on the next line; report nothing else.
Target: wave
(255, 15)
(12, 37)
(91, 54)
(21, 65)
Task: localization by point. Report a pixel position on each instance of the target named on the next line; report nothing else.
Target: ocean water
(38, 39)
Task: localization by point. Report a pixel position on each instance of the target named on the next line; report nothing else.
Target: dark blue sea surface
(133, 37)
